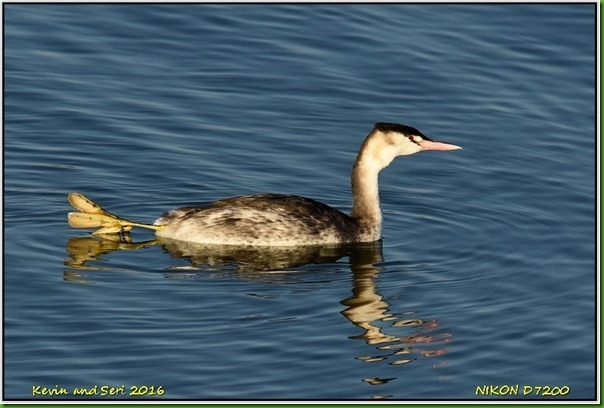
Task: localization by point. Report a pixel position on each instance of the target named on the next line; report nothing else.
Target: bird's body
(262, 219)
(278, 219)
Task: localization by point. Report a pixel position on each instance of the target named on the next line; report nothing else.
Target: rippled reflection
(396, 338)
(399, 338)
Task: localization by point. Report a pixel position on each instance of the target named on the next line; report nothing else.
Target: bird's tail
(92, 215)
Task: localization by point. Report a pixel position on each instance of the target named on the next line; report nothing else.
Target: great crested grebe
(278, 219)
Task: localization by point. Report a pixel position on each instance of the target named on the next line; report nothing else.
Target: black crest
(395, 127)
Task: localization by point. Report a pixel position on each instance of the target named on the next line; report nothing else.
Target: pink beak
(431, 145)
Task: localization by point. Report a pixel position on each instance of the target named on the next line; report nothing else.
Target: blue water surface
(485, 278)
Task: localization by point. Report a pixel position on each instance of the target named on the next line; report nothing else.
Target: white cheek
(409, 148)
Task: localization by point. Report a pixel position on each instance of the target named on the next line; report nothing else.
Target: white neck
(365, 195)
(377, 152)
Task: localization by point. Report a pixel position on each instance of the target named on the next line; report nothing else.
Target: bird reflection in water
(398, 338)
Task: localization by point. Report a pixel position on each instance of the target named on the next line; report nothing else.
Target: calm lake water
(485, 280)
